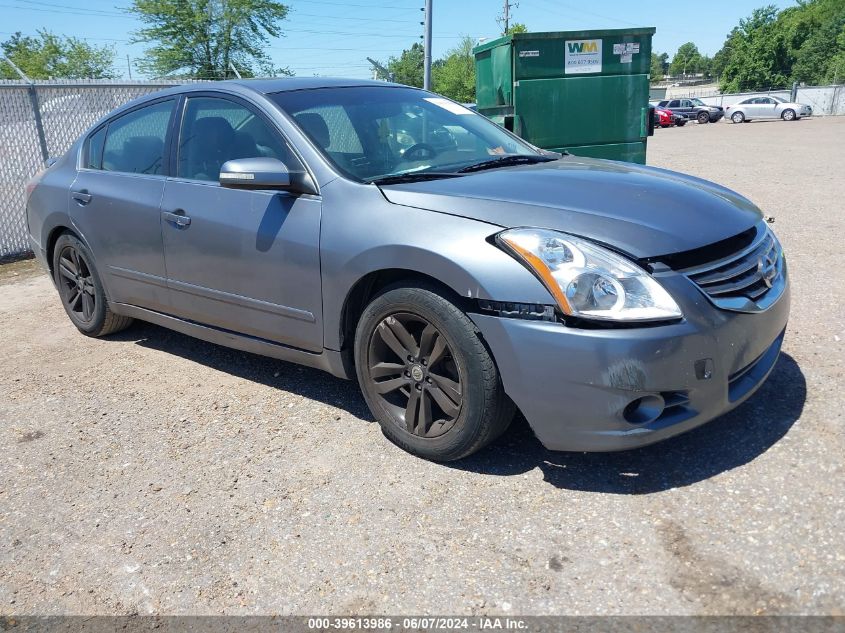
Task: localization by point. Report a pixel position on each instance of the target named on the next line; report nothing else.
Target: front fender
(363, 233)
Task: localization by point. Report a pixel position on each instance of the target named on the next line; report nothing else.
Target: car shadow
(728, 442)
(721, 445)
(304, 381)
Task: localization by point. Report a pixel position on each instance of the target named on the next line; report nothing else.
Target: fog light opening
(644, 410)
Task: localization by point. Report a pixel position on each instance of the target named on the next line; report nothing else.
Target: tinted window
(94, 149)
(135, 141)
(215, 130)
(674, 104)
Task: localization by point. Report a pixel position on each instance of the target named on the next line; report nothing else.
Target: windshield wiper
(504, 161)
(414, 176)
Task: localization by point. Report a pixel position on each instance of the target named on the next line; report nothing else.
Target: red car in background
(666, 118)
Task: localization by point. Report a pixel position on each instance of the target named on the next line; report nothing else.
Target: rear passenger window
(94, 149)
(135, 142)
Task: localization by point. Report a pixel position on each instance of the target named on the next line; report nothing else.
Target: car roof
(284, 84)
(246, 86)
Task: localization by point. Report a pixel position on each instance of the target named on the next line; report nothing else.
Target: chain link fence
(42, 119)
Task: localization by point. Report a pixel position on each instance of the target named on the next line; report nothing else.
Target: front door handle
(178, 218)
(82, 197)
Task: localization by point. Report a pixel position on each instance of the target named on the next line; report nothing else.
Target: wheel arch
(374, 283)
(52, 237)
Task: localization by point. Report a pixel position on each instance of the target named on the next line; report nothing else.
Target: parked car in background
(694, 109)
(614, 304)
(769, 107)
(663, 118)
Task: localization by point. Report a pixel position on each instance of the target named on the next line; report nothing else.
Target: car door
(114, 202)
(242, 260)
(767, 106)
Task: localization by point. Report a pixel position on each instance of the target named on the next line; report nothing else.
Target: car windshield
(374, 132)
(697, 102)
(779, 99)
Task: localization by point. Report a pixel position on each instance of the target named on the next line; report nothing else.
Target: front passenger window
(215, 130)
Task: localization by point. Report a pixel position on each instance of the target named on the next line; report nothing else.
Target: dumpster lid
(557, 35)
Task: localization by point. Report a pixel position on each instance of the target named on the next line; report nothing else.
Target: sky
(334, 37)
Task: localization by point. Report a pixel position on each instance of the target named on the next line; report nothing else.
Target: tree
(49, 56)
(408, 67)
(656, 70)
(517, 27)
(686, 61)
(454, 75)
(203, 38)
(772, 49)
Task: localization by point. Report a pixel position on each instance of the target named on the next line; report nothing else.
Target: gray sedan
(387, 234)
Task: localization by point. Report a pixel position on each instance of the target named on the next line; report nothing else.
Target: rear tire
(427, 376)
(788, 115)
(703, 117)
(737, 117)
(81, 291)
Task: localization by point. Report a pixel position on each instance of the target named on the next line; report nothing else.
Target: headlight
(589, 281)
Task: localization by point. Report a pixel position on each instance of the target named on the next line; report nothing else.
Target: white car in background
(770, 107)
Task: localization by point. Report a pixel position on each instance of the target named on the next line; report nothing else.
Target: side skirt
(329, 360)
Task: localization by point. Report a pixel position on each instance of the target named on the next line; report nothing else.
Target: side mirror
(263, 173)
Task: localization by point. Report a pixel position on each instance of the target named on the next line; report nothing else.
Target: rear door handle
(82, 197)
(178, 218)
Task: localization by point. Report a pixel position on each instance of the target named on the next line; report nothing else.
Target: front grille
(745, 277)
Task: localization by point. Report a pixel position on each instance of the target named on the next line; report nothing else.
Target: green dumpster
(582, 91)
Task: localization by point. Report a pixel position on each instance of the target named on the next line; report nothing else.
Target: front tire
(427, 376)
(81, 290)
(737, 117)
(703, 117)
(788, 115)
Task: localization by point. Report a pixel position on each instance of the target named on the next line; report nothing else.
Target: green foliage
(52, 56)
(772, 49)
(516, 27)
(202, 38)
(658, 64)
(687, 61)
(454, 75)
(408, 67)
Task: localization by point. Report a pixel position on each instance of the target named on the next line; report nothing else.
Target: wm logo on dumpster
(588, 46)
(582, 56)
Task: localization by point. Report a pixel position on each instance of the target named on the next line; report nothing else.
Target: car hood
(641, 211)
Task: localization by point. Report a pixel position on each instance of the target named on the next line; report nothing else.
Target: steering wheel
(419, 151)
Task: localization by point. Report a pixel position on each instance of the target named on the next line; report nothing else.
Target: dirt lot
(150, 472)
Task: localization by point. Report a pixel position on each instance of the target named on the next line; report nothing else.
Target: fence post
(39, 125)
(36, 111)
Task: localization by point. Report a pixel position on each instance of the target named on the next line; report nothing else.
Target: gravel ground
(150, 472)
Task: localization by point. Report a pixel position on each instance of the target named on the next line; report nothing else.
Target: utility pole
(129, 66)
(505, 19)
(427, 47)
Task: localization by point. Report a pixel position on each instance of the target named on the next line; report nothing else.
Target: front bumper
(574, 385)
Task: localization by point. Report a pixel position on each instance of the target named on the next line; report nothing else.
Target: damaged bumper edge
(616, 389)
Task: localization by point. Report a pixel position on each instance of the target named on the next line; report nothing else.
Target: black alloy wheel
(81, 290)
(427, 375)
(77, 284)
(414, 372)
